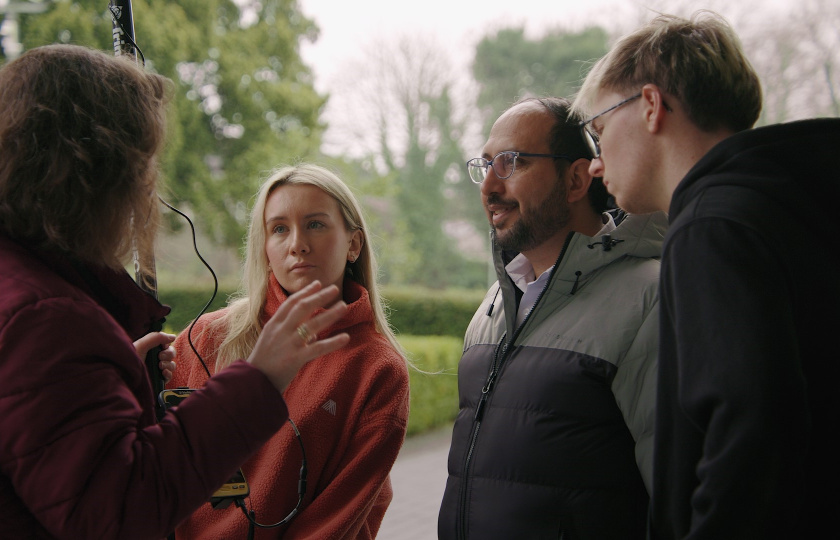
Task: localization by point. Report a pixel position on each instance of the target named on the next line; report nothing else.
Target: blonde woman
(350, 406)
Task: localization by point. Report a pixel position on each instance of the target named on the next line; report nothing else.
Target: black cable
(301, 492)
(250, 515)
(215, 284)
(136, 48)
(303, 468)
(128, 37)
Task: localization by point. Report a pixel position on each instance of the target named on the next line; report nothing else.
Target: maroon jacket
(80, 453)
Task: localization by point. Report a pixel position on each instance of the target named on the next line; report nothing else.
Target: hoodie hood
(794, 164)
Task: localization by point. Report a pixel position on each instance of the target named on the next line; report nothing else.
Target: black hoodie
(747, 409)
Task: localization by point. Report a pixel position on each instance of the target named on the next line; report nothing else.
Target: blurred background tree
(424, 117)
(410, 131)
(244, 101)
(509, 65)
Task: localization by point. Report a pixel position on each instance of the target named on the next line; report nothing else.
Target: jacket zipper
(501, 351)
(498, 360)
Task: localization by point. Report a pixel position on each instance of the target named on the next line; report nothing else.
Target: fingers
(326, 346)
(297, 311)
(152, 340)
(167, 355)
(283, 347)
(299, 306)
(308, 330)
(167, 371)
(167, 363)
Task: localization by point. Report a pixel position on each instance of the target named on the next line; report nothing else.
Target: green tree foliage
(243, 103)
(508, 66)
(423, 200)
(397, 112)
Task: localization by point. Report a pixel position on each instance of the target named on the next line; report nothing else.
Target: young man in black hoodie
(747, 409)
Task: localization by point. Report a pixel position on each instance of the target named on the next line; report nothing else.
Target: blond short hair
(699, 61)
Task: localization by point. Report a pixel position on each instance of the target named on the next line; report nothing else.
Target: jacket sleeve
(634, 387)
(79, 443)
(733, 413)
(354, 501)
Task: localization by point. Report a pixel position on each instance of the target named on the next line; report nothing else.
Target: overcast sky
(348, 25)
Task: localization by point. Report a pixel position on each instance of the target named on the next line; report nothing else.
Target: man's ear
(655, 108)
(578, 180)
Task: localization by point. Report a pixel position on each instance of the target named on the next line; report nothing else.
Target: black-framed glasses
(503, 163)
(590, 136)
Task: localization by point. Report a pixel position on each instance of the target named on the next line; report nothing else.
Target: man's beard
(543, 222)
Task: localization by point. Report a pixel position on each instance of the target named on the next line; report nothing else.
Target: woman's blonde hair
(242, 321)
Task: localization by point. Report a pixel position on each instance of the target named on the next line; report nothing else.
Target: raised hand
(289, 339)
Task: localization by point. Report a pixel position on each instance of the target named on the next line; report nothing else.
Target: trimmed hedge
(186, 302)
(412, 311)
(434, 388)
(425, 312)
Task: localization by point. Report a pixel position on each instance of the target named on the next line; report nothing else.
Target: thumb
(152, 340)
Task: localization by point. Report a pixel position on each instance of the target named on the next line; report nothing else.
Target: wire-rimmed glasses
(503, 163)
(590, 135)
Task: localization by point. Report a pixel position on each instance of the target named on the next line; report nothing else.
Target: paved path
(418, 478)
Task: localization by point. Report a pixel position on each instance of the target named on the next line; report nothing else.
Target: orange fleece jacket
(351, 407)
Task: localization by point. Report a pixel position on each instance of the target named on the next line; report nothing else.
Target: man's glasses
(590, 136)
(504, 164)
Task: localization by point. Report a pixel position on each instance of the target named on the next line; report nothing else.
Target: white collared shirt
(521, 272)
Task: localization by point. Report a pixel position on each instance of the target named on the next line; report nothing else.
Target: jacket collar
(355, 296)
(136, 311)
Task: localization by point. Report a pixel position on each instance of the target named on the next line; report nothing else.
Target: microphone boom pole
(124, 45)
(123, 28)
